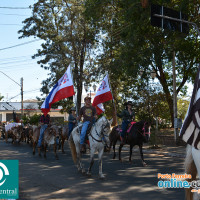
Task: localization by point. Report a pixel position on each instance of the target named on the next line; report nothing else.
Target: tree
(134, 45)
(67, 37)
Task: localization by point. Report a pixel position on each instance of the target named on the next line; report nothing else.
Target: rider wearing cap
(88, 112)
(127, 116)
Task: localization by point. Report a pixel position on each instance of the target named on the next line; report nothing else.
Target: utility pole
(174, 99)
(22, 113)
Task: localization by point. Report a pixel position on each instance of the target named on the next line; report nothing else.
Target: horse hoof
(83, 171)
(40, 155)
(144, 164)
(57, 158)
(89, 174)
(33, 153)
(45, 156)
(102, 177)
(130, 162)
(63, 152)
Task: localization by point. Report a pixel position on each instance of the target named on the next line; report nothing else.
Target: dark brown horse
(139, 133)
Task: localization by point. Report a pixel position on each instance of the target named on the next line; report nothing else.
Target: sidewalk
(171, 151)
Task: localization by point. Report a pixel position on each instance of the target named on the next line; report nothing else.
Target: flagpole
(75, 98)
(113, 99)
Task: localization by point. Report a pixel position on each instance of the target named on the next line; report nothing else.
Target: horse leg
(141, 154)
(190, 168)
(45, 150)
(114, 154)
(79, 163)
(100, 155)
(130, 153)
(120, 149)
(62, 144)
(55, 147)
(34, 145)
(91, 161)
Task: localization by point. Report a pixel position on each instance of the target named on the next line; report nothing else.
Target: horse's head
(146, 132)
(54, 130)
(105, 125)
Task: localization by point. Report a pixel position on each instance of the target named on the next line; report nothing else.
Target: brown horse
(64, 136)
(35, 137)
(139, 133)
(17, 134)
(51, 134)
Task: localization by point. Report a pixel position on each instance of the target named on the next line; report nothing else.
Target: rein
(143, 129)
(101, 135)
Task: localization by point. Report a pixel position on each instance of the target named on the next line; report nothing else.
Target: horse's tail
(72, 148)
(190, 168)
(114, 134)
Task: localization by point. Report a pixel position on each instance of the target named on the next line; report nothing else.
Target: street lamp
(21, 86)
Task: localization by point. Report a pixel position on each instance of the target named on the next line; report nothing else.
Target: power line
(16, 61)
(19, 45)
(14, 58)
(11, 24)
(14, 14)
(15, 7)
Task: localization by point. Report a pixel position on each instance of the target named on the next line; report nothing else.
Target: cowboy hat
(73, 109)
(128, 103)
(87, 98)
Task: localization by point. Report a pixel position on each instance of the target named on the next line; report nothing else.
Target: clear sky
(16, 62)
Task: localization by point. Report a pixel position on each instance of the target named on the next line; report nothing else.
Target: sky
(16, 62)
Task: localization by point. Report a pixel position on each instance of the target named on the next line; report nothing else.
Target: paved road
(58, 179)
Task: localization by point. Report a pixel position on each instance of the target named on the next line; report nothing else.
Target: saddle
(127, 131)
(86, 136)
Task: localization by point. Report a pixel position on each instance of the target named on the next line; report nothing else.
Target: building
(31, 107)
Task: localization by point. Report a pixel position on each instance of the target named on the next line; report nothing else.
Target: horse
(51, 134)
(192, 167)
(17, 134)
(139, 133)
(64, 136)
(98, 137)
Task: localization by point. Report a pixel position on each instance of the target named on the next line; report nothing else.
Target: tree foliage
(67, 39)
(132, 45)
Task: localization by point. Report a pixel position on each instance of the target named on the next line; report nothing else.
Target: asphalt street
(48, 178)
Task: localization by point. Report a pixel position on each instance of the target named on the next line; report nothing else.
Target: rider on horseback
(44, 121)
(127, 115)
(88, 113)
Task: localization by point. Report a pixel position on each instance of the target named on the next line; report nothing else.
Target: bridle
(101, 133)
(143, 129)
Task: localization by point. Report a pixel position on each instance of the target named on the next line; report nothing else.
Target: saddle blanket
(128, 131)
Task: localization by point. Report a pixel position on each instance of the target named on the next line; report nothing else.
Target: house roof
(17, 105)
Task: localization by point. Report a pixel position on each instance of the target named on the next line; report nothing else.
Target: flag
(103, 94)
(190, 131)
(64, 88)
(100, 108)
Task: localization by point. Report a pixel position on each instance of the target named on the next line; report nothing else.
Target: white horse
(98, 137)
(192, 166)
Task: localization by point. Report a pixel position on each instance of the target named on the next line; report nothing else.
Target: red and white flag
(103, 94)
(64, 88)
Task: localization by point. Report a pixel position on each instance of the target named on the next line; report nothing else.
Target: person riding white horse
(98, 137)
(88, 112)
